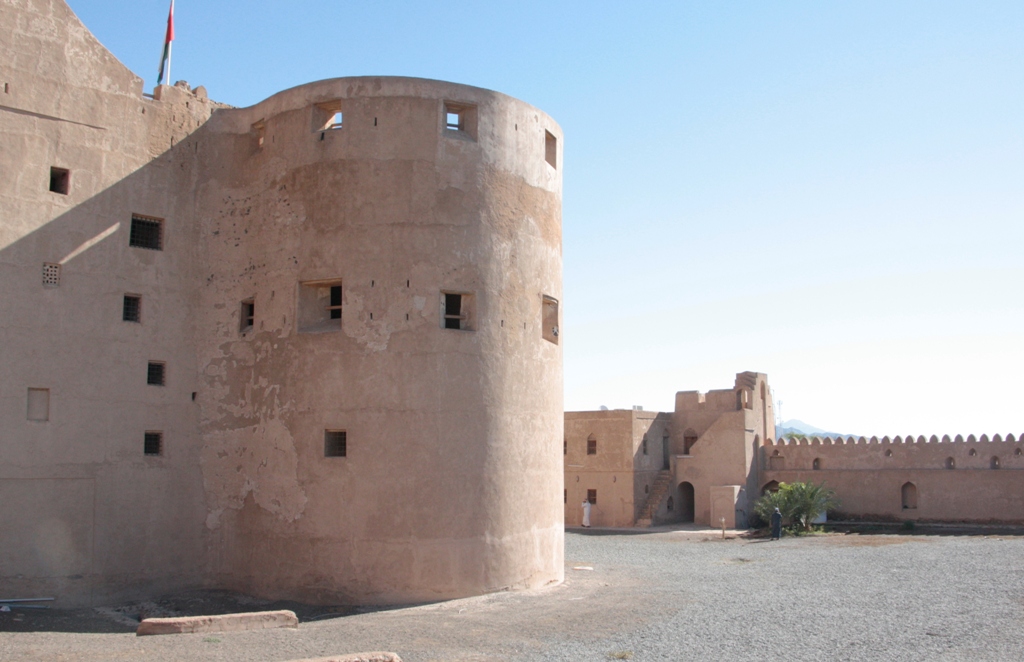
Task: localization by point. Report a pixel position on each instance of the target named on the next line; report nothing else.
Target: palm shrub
(799, 503)
(766, 505)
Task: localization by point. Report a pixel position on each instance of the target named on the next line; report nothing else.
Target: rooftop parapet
(921, 439)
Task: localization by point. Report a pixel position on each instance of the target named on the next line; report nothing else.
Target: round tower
(378, 331)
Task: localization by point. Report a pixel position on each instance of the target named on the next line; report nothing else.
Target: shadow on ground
(126, 617)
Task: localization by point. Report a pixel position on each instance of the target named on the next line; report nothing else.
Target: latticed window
(591, 445)
(146, 232)
(155, 373)
(51, 274)
(153, 443)
(131, 310)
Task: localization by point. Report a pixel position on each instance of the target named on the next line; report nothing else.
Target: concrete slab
(258, 620)
(355, 657)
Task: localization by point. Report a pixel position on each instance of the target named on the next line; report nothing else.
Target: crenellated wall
(952, 478)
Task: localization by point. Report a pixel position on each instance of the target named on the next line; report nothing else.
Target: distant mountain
(794, 425)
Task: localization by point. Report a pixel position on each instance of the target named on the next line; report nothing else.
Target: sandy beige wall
(86, 516)
(868, 477)
(452, 482)
(609, 471)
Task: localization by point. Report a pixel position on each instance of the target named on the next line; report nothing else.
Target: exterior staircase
(659, 490)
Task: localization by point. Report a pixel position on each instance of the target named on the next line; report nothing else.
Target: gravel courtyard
(664, 595)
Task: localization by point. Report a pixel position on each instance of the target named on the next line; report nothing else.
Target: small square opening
(335, 443)
(60, 180)
(248, 316)
(131, 309)
(51, 274)
(320, 306)
(549, 314)
(328, 116)
(457, 311)
(592, 497)
(146, 232)
(156, 373)
(551, 149)
(460, 119)
(153, 444)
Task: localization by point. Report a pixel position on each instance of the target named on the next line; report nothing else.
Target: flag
(165, 61)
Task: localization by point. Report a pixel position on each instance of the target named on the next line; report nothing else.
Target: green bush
(799, 503)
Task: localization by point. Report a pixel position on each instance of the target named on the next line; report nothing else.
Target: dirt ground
(662, 594)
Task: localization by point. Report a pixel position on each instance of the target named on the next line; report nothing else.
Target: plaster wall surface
(728, 427)
(86, 516)
(449, 483)
(952, 479)
(609, 470)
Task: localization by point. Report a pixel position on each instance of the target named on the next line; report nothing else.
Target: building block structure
(306, 349)
(708, 461)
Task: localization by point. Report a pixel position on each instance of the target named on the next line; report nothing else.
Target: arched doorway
(908, 493)
(686, 504)
(771, 486)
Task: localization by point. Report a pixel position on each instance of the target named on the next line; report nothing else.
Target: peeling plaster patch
(268, 466)
(373, 334)
(419, 302)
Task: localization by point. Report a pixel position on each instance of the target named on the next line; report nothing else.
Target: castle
(306, 349)
(708, 461)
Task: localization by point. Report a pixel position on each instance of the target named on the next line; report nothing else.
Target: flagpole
(170, 44)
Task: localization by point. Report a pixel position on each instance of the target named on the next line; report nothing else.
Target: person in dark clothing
(776, 524)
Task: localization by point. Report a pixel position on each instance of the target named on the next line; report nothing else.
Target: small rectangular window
(565, 496)
(328, 116)
(334, 308)
(320, 306)
(457, 311)
(51, 274)
(592, 497)
(260, 130)
(335, 443)
(38, 404)
(591, 446)
(153, 443)
(131, 310)
(60, 180)
(248, 314)
(549, 321)
(551, 149)
(460, 119)
(155, 373)
(146, 232)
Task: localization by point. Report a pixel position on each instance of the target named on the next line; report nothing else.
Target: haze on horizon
(830, 193)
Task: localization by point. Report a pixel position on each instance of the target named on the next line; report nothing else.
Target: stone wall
(947, 479)
(447, 484)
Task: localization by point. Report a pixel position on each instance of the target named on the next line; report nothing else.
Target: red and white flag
(165, 61)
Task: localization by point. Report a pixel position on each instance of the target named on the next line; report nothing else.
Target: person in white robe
(586, 513)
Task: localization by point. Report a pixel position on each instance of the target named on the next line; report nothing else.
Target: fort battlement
(949, 478)
(921, 439)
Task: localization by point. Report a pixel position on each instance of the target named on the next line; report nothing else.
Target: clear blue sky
(828, 192)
